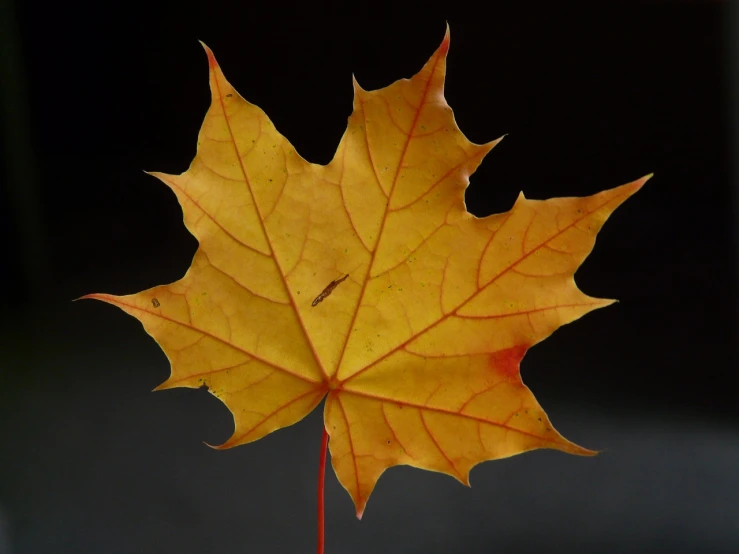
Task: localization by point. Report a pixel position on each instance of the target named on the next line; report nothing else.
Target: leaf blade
(368, 281)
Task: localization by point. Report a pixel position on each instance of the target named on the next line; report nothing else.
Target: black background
(91, 461)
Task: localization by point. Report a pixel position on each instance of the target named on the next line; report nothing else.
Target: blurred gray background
(92, 94)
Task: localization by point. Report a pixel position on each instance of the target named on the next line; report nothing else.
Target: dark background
(92, 94)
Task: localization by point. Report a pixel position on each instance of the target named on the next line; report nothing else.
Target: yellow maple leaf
(366, 281)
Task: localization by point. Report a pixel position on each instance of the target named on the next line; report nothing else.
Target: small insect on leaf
(328, 290)
(155, 302)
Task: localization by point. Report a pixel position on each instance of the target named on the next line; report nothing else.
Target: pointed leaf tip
(643, 180)
(493, 143)
(355, 84)
(635, 186)
(211, 58)
(444, 47)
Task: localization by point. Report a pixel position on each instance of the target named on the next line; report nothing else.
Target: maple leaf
(367, 282)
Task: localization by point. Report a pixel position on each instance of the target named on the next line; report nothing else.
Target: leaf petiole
(321, 482)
